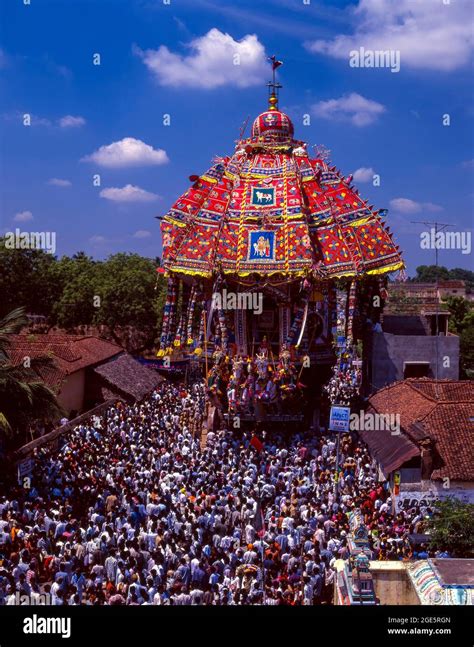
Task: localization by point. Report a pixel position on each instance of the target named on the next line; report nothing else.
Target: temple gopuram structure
(273, 260)
(354, 583)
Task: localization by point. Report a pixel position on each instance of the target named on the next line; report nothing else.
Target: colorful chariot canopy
(271, 211)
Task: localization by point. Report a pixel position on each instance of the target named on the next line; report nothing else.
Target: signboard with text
(339, 418)
(25, 469)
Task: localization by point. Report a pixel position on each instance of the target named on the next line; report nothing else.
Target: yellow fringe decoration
(172, 221)
(389, 268)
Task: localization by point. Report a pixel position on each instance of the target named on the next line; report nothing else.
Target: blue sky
(178, 59)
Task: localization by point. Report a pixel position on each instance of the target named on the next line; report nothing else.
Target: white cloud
(142, 233)
(55, 181)
(97, 240)
(71, 122)
(364, 174)
(350, 107)
(428, 33)
(26, 117)
(23, 216)
(128, 193)
(429, 206)
(68, 121)
(468, 164)
(127, 152)
(38, 121)
(215, 60)
(405, 205)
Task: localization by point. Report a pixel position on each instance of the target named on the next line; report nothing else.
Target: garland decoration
(344, 384)
(168, 315)
(299, 314)
(190, 315)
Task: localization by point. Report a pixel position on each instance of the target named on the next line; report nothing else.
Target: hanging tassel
(190, 315)
(352, 301)
(167, 314)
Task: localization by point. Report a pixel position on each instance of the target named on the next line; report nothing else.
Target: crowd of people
(135, 509)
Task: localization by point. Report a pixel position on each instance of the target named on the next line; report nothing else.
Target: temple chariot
(272, 261)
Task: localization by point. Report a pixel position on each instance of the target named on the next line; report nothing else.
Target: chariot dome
(271, 218)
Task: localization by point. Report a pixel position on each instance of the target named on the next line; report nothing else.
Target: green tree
(466, 352)
(452, 527)
(461, 313)
(26, 280)
(126, 287)
(429, 273)
(79, 278)
(461, 322)
(23, 397)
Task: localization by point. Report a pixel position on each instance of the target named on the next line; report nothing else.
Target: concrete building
(404, 347)
(412, 338)
(423, 291)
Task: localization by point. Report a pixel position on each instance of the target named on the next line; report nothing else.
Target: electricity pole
(438, 227)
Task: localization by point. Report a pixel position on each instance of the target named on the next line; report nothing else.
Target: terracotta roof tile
(70, 353)
(442, 410)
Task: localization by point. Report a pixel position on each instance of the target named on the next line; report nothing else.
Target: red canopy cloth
(270, 210)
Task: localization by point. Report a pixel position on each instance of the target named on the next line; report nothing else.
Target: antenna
(438, 226)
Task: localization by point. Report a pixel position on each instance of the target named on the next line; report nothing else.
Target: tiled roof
(452, 426)
(389, 450)
(452, 283)
(413, 287)
(414, 306)
(70, 353)
(445, 390)
(442, 410)
(127, 376)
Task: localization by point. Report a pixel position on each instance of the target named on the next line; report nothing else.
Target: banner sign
(339, 418)
(25, 469)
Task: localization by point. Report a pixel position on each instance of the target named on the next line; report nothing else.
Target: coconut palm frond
(46, 406)
(5, 425)
(24, 398)
(11, 324)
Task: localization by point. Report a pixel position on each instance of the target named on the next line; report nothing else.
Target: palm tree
(23, 397)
